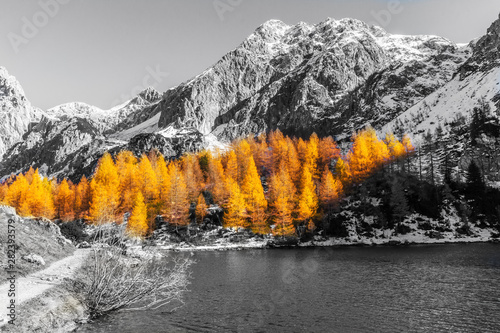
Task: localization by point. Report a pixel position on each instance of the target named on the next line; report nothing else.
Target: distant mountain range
(331, 78)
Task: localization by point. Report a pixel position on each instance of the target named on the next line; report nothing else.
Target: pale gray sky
(102, 51)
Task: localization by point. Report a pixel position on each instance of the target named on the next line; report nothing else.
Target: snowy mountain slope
(477, 80)
(456, 98)
(446, 115)
(295, 77)
(148, 126)
(116, 118)
(16, 112)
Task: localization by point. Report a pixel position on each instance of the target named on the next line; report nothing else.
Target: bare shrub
(116, 280)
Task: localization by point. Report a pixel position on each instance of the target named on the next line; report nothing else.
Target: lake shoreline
(252, 243)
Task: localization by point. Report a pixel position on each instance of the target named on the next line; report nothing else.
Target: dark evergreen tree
(475, 182)
(475, 125)
(398, 202)
(475, 190)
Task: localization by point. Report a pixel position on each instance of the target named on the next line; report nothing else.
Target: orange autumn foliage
(137, 225)
(264, 181)
(104, 189)
(64, 201)
(330, 190)
(308, 200)
(201, 209)
(255, 201)
(177, 202)
(234, 216)
(282, 201)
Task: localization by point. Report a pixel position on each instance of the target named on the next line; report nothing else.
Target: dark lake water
(435, 288)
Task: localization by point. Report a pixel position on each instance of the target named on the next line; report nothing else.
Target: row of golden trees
(271, 180)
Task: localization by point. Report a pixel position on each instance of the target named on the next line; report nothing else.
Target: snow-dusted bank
(238, 241)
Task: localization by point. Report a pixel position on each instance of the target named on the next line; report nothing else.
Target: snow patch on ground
(457, 97)
(149, 126)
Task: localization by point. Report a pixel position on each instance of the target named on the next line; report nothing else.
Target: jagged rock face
(48, 145)
(234, 78)
(307, 78)
(16, 112)
(170, 147)
(110, 121)
(83, 160)
(486, 52)
(389, 93)
(72, 137)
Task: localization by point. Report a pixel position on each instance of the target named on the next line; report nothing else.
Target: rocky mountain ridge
(331, 78)
(295, 77)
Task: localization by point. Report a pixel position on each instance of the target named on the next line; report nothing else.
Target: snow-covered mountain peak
(409, 48)
(74, 109)
(9, 86)
(150, 94)
(273, 27)
(16, 112)
(337, 26)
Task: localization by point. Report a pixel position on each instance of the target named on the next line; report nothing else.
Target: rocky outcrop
(486, 52)
(16, 112)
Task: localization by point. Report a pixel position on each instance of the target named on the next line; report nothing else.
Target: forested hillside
(270, 183)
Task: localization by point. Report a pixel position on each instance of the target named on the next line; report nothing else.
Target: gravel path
(35, 284)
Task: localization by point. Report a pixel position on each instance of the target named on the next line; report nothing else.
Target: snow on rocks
(34, 259)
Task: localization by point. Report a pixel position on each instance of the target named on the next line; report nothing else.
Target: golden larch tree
(163, 176)
(261, 153)
(359, 157)
(235, 213)
(3, 192)
(217, 182)
(312, 155)
(105, 191)
(178, 203)
(379, 153)
(39, 197)
(329, 191)
(343, 171)
(278, 146)
(137, 225)
(148, 185)
(407, 144)
(201, 209)
(231, 170)
(308, 200)
(29, 175)
(47, 205)
(302, 151)
(16, 195)
(64, 202)
(293, 162)
(282, 202)
(328, 151)
(82, 198)
(255, 201)
(129, 180)
(396, 149)
(243, 154)
(193, 175)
